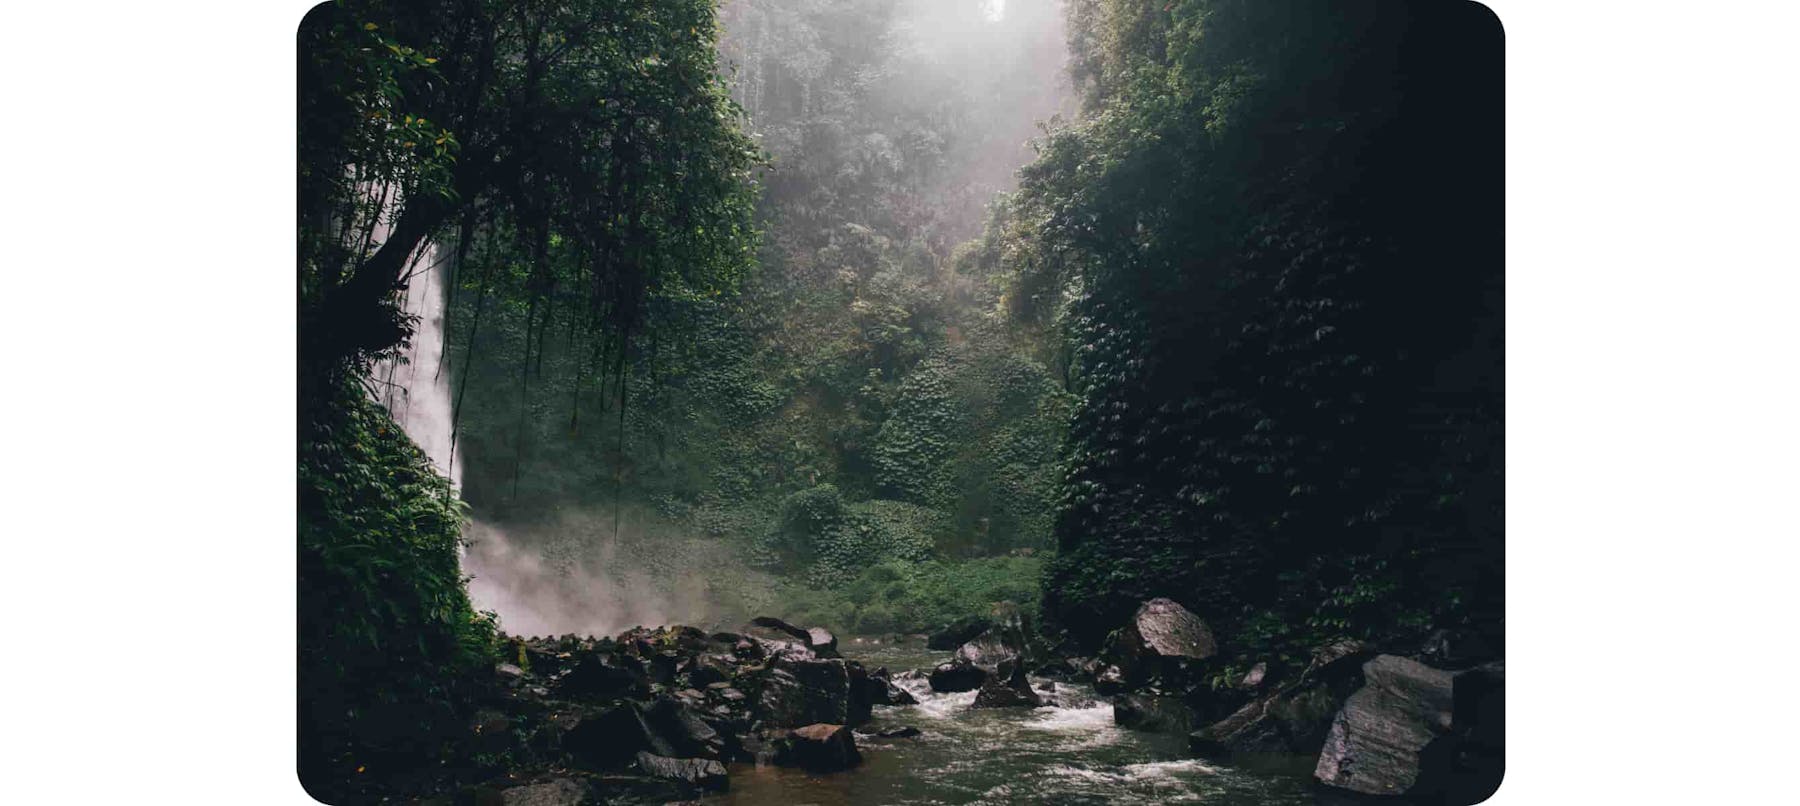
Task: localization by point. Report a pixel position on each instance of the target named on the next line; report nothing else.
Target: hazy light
(994, 9)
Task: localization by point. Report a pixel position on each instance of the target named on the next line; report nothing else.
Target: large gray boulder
(1008, 637)
(1379, 739)
(1160, 641)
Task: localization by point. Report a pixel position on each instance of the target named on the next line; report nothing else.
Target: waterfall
(416, 388)
(601, 592)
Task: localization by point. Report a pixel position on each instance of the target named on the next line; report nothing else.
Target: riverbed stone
(804, 692)
(1008, 689)
(1379, 739)
(957, 675)
(700, 772)
(1159, 643)
(556, 792)
(611, 737)
(820, 748)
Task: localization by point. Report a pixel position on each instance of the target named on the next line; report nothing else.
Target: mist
(920, 111)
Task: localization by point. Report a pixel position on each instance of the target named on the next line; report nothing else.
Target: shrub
(388, 640)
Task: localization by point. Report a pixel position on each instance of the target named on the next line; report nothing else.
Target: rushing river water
(1068, 755)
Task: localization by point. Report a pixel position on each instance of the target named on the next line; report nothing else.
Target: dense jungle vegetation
(1197, 299)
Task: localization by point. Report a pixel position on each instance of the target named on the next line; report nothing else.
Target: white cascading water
(530, 595)
(416, 391)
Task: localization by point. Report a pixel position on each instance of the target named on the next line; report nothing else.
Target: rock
(957, 675)
(817, 639)
(1456, 649)
(1159, 642)
(681, 728)
(509, 672)
(1479, 700)
(492, 731)
(820, 748)
(605, 677)
(772, 623)
(958, 632)
(821, 641)
(906, 732)
(1155, 713)
(708, 669)
(1007, 689)
(1111, 680)
(998, 695)
(699, 772)
(1253, 679)
(1332, 657)
(1047, 685)
(557, 792)
(1294, 718)
(882, 691)
(1007, 638)
(803, 692)
(1378, 740)
(620, 788)
(611, 738)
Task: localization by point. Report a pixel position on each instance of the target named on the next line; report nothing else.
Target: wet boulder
(1154, 713)
(882, 691)
(699, 773)
(821, 641)
(1253, 679)
(904, 732)
(611, 738)
(1007, 689)
(1379, 739)
(1160, 642)
(819, 748)
(1293, 718)
(604, 677)
(957, 675)
(817, 639)
(958, 632)
(1008, 637)
(803, 692)
(682, 730)
(707, 669)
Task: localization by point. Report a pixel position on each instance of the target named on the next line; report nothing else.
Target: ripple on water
(1071, 756)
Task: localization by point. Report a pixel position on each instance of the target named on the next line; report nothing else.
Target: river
(1070, 755)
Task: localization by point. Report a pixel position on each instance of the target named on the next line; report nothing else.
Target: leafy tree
(1271, 242)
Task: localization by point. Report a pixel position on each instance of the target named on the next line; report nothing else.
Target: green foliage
(388, 640)
(739, 410)
(898, 596)
(1271, 247)
(586, 154)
